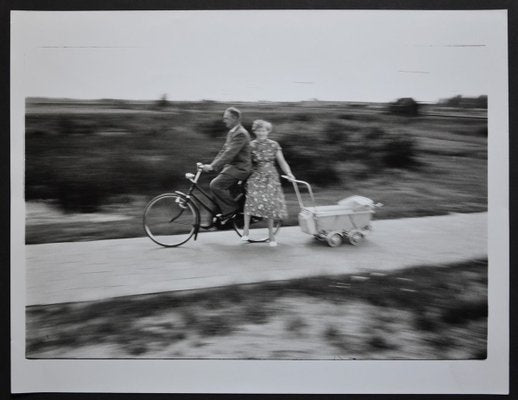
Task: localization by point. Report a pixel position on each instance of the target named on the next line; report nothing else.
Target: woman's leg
(246, 227)
(270, 230)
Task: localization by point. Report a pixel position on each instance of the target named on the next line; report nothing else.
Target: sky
(286, 55)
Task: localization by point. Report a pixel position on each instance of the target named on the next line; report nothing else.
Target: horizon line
(315, 100)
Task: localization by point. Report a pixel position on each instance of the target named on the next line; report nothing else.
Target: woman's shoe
(273, 243)
(244, 238)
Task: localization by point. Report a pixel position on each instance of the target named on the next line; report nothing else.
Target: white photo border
(490, 376)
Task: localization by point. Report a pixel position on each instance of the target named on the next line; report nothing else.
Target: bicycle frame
(190, 194)
(199, 201)
(196, 198)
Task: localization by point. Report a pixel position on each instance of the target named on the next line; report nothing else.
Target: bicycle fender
(181, 194)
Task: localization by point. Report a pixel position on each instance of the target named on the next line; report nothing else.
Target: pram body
(350, 218)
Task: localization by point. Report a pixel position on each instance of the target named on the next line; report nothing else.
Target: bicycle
(171, 219)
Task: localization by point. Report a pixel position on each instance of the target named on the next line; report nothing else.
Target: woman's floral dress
(264, 196)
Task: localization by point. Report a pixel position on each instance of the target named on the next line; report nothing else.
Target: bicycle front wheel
(170, 220)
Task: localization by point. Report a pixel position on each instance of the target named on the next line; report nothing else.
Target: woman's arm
(283, 164)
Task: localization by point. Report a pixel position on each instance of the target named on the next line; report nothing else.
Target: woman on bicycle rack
(264, 196)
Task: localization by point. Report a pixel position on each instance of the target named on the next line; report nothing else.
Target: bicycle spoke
(170, 220)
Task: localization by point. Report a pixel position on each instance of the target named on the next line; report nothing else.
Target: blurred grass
(111, 157)
(426, 312)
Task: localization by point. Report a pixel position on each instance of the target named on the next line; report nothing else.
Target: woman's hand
(290, 175)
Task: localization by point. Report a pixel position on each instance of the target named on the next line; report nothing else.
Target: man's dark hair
(235, 112)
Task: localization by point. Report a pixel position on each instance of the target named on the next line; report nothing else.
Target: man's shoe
(225, 217)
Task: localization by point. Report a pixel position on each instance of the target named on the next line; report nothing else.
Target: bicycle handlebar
(194, 177)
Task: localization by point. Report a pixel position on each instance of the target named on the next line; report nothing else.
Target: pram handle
(295, 183)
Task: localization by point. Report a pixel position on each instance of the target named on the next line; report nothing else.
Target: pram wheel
(355, 237)
(334, 239)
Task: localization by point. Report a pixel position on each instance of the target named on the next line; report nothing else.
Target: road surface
(85, 271)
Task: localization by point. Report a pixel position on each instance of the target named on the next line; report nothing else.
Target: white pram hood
(357, 203)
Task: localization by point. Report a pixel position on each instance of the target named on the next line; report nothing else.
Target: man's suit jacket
(235, 157)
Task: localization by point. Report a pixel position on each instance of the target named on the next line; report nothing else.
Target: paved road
(82, 271)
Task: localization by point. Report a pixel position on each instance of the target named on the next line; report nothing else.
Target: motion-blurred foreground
(92, 165)
(420, 313)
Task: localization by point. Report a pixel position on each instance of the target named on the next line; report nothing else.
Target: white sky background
(258, 55)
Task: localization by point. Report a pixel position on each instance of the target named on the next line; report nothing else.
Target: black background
(79, 5)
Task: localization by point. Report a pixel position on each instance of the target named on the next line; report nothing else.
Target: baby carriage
(350, 218)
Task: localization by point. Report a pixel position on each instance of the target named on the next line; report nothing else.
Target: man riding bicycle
(233, 161)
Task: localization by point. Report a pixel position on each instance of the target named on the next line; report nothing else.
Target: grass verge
(427, 312)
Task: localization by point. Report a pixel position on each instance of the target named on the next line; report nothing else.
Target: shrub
(76, 195)
(324, 156)
(379, 343)
(481, 131)
(296, 325)
(399, 152)
(405, 106)
(335, 132)
(255, 313)
(425, 322)
(303, 117)
(75, 125)
(310, 158)
(162, 102)
(216, 325)
(213, 129)
(347, 117)
(83, 170)
(465, 311)
(465, 102)
(357, 169)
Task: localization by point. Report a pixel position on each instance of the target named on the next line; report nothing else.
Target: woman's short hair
(260, 123)
(235, 112)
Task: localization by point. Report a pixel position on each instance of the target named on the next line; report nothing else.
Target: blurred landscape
(437, 312)
(91, 166)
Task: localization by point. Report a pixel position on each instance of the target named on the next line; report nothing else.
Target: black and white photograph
(247, 193)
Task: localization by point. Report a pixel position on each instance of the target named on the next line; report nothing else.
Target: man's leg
(220, 187)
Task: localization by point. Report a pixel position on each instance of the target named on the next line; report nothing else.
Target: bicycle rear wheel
(170, 220)
(258, 228)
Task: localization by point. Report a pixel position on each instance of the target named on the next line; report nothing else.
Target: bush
(399, 152)
(213, 129)
(215, 326)
(465, 102)
(310, 157)
(82, 173)
(81, 196)
(336, 132)
(481, 131)
(371, 145)
(303, 117)
(404, 106)
(346, 148)
(465, 311)
(69, 160)
(379, 343)
(162, 103)
(347, 117)
(73, 125)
